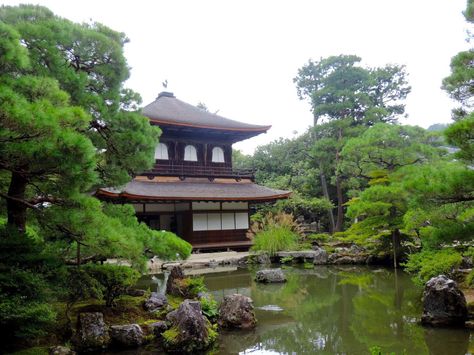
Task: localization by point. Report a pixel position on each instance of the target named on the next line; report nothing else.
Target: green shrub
(430, 263)
(287, 259)
(25, 319)
(209, 307)
(168, 246)
(469, 252)
(193, 286)
(470, 279)
(28, 275)
(114, 279)
(319, 237)
(170, 336)
(275, 239)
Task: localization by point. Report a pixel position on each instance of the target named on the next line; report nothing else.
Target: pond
(332, 310)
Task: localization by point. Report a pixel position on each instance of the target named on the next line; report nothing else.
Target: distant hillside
(438, 127)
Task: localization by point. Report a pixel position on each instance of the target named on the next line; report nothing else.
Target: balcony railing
(210, 172)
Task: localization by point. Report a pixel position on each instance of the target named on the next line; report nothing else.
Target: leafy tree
(283, 163)
(114, 280)
(460, 86)
(337, 87)
(241, 160)
(442, 203)
(379, 155)
(68, 124)
(385, 148)
(348, 98)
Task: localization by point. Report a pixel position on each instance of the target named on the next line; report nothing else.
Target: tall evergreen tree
(345, 98)
(81, 68)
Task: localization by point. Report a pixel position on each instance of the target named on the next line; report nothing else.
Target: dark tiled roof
(167, 109)
(194, 191)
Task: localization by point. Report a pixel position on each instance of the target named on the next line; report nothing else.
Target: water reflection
(334, 310)
(329, 310)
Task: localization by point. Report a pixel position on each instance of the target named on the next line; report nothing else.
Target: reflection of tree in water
(341, 310)
(380, 317)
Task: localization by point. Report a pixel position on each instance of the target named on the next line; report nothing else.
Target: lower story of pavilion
(211, 215)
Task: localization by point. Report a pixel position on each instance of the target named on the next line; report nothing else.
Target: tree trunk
(339, 192)
(324, 186)
(78, 255)
(396, 246)
(16, 210)
(340, 205)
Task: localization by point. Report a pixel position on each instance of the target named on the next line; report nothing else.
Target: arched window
(161, 151)
(217, 155)
(190, 153)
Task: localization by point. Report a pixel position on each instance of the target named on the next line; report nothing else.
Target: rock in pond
(443, 303)
(270, 276)
(190, 331)
(320, 257)
(129, 335)
(236, 311)
(173, 285)
(61, 350)
(92, 332)
(155, 302)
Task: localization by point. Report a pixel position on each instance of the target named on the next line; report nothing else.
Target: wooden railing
(211, 172)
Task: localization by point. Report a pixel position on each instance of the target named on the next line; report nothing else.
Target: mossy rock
(190, 330)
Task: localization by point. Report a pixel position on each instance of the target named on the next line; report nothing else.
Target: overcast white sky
(239, 57)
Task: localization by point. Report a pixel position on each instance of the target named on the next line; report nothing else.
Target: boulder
(173, 285)
(61, 350)
(236, 311)
(92, 332)
(320, 256)
(270, 276)
(443, 303)
(158, 327)
(190, 331)
(129, 335)
(155, 302)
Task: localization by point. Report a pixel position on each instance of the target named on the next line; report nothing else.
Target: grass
(170, 336)
(275, 239)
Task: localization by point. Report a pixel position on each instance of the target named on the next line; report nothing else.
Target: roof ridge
(167, 109)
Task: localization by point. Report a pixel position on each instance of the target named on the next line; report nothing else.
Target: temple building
(193, 190)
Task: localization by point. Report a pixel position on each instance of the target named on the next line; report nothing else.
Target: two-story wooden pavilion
(193, 190)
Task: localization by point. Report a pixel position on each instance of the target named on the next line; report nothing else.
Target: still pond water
(332, 310)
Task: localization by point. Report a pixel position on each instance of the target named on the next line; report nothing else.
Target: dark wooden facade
(205, 202)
